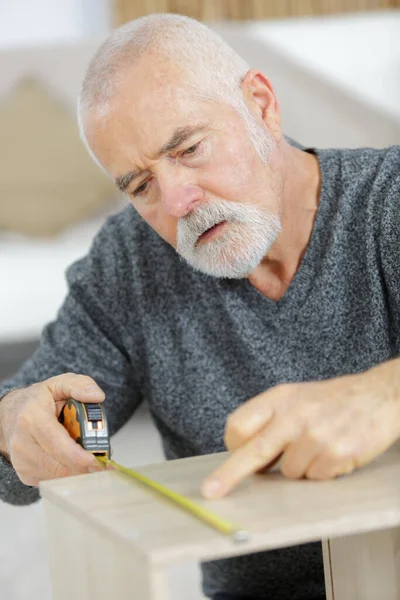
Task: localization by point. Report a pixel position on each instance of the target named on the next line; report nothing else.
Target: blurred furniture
(205, 10)
(12, 354)
(53, 198)
(120, 540)
(61, 185)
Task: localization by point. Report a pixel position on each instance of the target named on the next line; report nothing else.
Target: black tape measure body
(87, 425)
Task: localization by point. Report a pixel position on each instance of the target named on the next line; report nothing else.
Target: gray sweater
(145, 325)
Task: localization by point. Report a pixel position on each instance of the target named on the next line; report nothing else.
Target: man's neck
(300, 198)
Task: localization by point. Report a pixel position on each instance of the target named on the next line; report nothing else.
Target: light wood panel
(364, 566)
(298, 511)
(209, 10)
(117, 517)
(84, 564)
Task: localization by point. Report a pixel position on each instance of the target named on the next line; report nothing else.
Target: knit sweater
(146, 326)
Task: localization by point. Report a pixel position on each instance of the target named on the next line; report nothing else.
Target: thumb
(78, 387)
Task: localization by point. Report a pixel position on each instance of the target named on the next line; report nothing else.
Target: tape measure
(87, 425)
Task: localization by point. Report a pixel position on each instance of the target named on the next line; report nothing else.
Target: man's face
(190, 170)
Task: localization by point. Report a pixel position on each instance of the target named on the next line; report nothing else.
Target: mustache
(207, 216)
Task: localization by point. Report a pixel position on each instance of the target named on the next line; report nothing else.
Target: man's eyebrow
(123, 181)
(180, 135)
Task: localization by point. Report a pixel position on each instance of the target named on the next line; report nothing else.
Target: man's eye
(141, 189)
(192, 149)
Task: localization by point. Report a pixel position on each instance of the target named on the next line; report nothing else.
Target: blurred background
(335, 66)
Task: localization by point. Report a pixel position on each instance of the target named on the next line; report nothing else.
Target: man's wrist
(4, 399)
(388, 373)
(386, 380)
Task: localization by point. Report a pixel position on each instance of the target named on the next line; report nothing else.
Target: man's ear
(260, 97)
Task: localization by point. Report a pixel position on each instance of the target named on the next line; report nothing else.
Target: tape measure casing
(87, 425)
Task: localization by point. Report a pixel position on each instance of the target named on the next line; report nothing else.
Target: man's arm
(12, 489)
(89, 337)
(6, 396)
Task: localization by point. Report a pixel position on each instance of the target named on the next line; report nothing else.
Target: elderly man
(274, 335)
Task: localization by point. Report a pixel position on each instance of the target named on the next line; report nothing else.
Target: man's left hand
(320, 429)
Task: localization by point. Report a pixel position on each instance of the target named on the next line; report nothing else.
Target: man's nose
(180, 199)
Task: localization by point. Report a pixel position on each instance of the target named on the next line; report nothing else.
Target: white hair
(213, 68)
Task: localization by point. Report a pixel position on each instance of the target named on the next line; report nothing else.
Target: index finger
(56, 441)
(249, 458)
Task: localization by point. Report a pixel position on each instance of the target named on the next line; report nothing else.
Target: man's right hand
(37, 445)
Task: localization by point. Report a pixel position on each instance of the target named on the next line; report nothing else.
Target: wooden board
(364, 566)
(86, 565)
(277, 512)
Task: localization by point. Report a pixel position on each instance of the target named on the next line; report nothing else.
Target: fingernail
(210, 488)
(94, 391)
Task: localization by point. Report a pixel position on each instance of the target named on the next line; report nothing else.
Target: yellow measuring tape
(222, 525)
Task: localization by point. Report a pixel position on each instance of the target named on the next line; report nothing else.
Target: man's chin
(221, 271)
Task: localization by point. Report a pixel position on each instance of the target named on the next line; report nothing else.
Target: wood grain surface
(276, 511)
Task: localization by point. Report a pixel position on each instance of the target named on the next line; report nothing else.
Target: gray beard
(237, 250)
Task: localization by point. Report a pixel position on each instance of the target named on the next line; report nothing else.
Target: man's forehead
(122, 124)
(153, 99)
(153, 115)
(136, 126)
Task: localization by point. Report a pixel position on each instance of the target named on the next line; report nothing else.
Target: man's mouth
(211, 232)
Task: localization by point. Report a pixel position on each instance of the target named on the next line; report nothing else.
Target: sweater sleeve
(390, 243)
(90, 337)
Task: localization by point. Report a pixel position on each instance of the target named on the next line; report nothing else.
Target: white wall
(26, 22)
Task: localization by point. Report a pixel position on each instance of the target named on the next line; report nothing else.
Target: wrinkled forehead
(148, 105)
